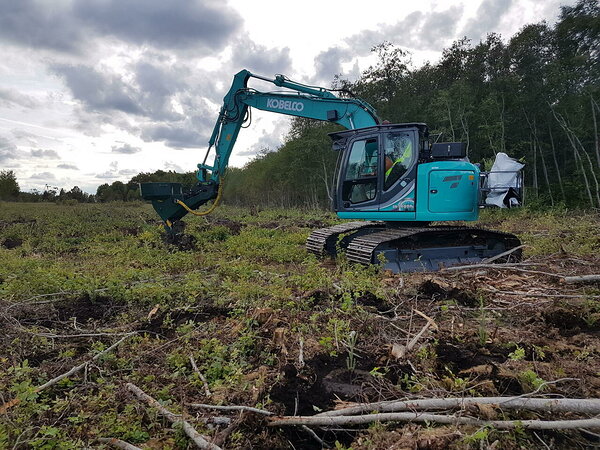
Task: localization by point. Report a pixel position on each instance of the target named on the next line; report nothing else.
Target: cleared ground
(270, 326)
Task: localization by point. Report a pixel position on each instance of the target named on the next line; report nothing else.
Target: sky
(95, 91)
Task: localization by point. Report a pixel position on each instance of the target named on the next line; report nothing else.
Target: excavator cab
(376, 167)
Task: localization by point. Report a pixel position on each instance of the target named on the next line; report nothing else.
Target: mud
(10, 243)
(205, 313)
(439, 289)
(233, 226)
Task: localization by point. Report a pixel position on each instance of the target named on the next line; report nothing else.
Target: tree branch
(196, 437)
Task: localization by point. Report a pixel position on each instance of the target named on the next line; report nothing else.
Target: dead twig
(231, 408)
(539, 294)
(315, 436)
(175, 419)
(74, 370)
(204, 382)
(506, 253)
(501, 267)
(118, 443)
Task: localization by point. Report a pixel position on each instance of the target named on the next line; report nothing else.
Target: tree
(9, 188)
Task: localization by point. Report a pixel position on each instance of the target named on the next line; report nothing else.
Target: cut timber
(336, 421)
(581, 279)
(551, 405)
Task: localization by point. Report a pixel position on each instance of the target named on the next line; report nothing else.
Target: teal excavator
(391, 180)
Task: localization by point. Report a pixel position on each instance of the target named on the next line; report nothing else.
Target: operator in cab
(398, 155)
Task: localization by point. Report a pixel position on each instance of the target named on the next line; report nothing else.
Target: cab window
(360, 179)
(399, 154)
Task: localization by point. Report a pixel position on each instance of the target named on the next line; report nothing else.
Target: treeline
(535, 96)
(10, 191)
(116, 191)
(130, 191)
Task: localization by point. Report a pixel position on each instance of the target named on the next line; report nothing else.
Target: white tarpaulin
(502, 177)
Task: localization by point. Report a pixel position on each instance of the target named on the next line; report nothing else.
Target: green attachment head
(164, 197)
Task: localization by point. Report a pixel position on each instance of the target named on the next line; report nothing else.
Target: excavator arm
(172, 202)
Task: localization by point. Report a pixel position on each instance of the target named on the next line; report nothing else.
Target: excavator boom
(172, 202)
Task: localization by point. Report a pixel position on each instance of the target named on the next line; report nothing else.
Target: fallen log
(175, 419)
(550, 405)
(581, 279)
(335, 421)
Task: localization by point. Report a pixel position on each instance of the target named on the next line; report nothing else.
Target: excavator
(391, 181)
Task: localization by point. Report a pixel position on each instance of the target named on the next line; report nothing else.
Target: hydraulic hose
(209, 210)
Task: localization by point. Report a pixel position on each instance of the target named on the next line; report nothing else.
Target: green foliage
(531, 381)
(9, 188)
(518, 354)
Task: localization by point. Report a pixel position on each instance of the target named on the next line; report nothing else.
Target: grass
(105, 269)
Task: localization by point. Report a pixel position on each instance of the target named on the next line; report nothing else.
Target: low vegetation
(268, 325)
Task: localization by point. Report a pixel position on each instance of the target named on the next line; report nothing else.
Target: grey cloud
(418, 31)
(67, 166)
(174, 135)
(126, 149)
(10, 97)
(108, 175)
(329, 63)
(168, 165)
(8, 151)
(260, 59)
(128, 172)
(488, 16)
(268, 141)
(36, 24)
(156, 86)
(203, 25)
(68, 26)
(44, 176)
(47, 154)
(99, 91)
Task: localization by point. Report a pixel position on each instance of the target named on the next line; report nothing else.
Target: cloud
(30, 23)
(67, 166)
(175, 135)
(168, 165)
(98, 91)
(9, 97)
(47, 154)
(260, 59)
(487, 18)
(417, 31)
(44, 176)
(202, 25)
(69, 26)
(329, 63)
(8, 151)
(268, 141)
(126, 149)
(108, 175)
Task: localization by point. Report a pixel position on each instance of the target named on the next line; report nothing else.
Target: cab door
(359, 181)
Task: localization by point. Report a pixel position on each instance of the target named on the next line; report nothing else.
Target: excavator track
(324, 240)
(412, 249)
